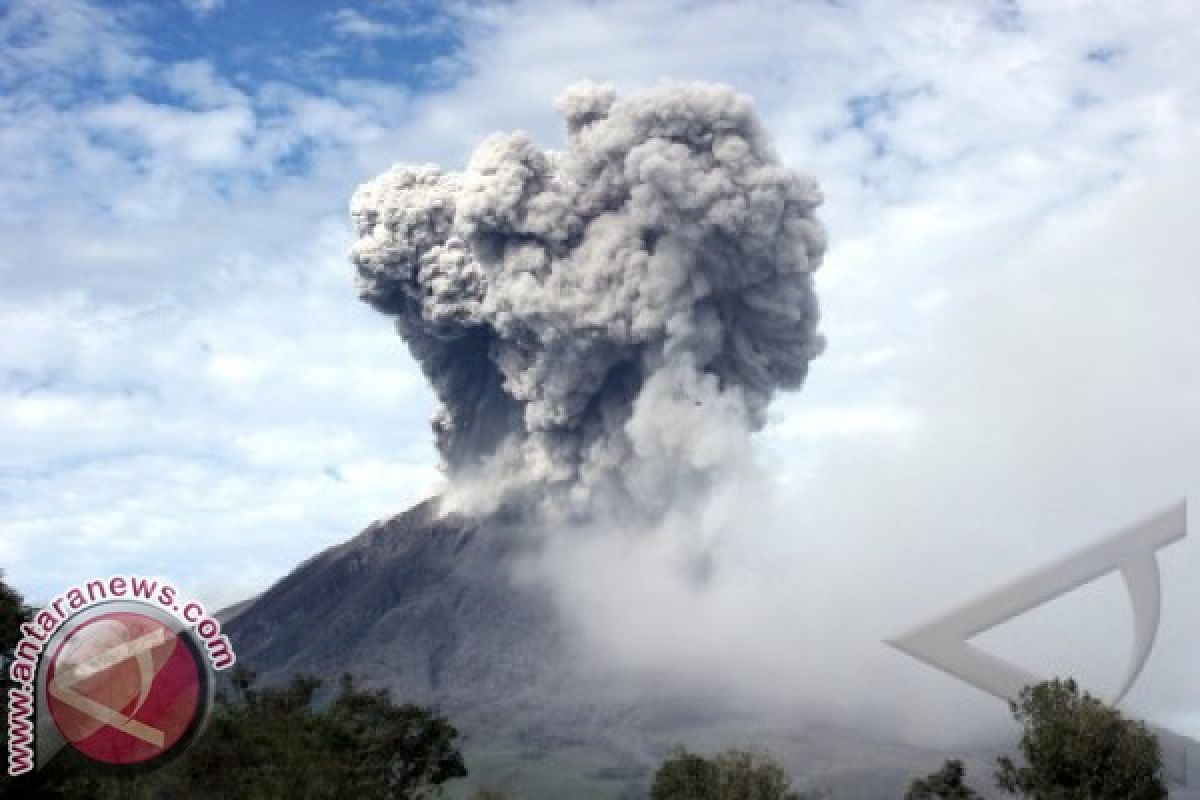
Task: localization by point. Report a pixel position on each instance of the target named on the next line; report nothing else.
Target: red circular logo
(124, 688)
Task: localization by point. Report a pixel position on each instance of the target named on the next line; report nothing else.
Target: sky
(190, 388)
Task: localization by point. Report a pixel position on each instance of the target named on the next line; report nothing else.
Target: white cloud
(72, 40)
(203, 8)
(348, 22)
(200, 84)
(210, 138)
(1056, 400)
(807, 421)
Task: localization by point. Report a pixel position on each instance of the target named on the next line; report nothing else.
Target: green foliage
(732, 775)
(945, 784)
(686, 775)
(268, 743)
(1074, 748)
(272, 743)
(12, 613)
(1077, 748)
(747, 775)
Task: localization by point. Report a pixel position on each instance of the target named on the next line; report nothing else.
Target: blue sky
(189, 386)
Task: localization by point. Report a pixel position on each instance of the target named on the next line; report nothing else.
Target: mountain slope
(418, 603)
(426, 605)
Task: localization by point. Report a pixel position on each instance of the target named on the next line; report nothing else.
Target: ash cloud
(605, 324)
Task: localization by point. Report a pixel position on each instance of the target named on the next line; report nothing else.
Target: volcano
(604, 328)
(432, 607)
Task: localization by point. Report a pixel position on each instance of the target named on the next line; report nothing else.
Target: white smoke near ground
(603, 326)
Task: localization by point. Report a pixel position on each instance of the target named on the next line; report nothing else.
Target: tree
(12, 613)
(945, 784)
(1077, 748)
(686, 775)
(732, 775)
(747, 775)
(275, 743)
(1074, 748)
(405, 748)
(282, 742)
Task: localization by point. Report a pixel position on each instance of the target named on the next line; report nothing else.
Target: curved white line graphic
(945, 641)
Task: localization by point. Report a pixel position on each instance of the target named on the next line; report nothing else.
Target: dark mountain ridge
(419, 603)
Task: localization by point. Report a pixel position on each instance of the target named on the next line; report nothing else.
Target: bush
(945, 784)
(1076, 748)
(732, 775)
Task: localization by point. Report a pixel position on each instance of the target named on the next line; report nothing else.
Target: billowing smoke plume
(608, 322)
